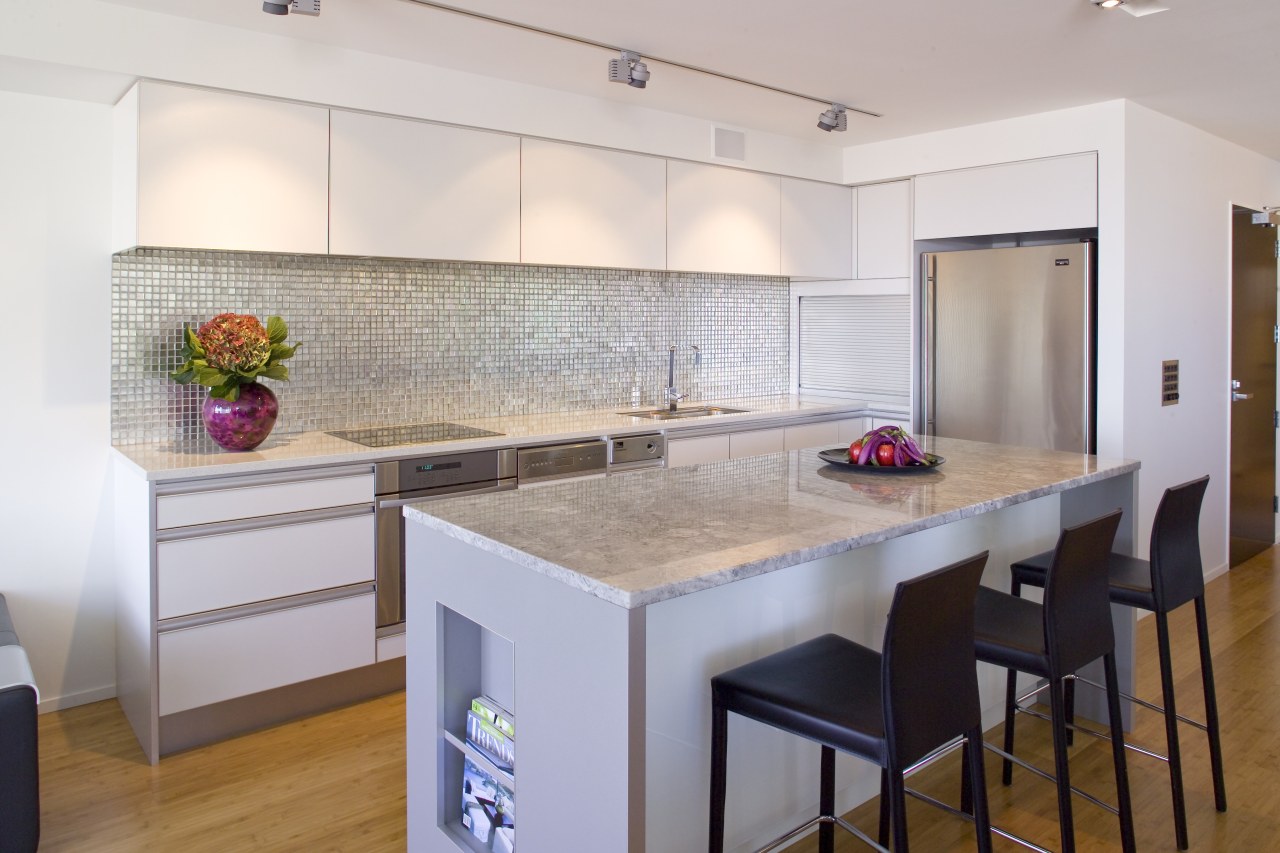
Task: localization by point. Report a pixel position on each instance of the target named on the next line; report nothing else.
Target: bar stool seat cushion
(1010, 631)
(827, 689)
(1128, 577)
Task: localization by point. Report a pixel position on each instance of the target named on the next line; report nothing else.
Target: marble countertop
(639, 538)
(168, 461)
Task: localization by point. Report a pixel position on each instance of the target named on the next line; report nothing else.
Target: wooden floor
(336, 781)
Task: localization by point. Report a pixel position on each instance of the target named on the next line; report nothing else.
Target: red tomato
(854, 450)
(884, 454)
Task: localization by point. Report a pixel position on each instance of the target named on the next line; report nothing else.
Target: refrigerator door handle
(928, 394)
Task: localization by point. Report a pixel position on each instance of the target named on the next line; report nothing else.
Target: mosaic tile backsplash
(400, 341)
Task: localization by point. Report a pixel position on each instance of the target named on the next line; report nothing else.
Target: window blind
(856, 344)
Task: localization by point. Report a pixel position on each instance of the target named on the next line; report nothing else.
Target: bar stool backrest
(1077, 604)
(1177, 574)
(930, 683)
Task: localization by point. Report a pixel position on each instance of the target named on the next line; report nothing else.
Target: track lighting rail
(648, 56)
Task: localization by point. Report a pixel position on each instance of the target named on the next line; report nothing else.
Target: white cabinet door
(1032, 195)
(408, 189)
(589, 207)
(757, 442)
(722, 220)
(695, 451)
(817, 230)
(825, 434)
(219, 171)
(884, 230)
(222, 660)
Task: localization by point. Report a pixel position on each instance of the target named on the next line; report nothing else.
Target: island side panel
(1081, 505)
(578, 691)
(773, 777)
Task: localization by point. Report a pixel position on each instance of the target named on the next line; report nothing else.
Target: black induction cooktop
(390, 436)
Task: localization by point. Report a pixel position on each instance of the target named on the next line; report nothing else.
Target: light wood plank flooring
(336, 781)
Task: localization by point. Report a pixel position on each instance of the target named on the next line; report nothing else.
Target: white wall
(1165, 191)
(1180, 185)
(55, 571)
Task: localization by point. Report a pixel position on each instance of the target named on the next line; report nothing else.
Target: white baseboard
(1213, 574)
(71, 700)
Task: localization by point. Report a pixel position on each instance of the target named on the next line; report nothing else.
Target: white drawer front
(250, 501)
(826, 434)
(756, 443)
(223, 660)
(229, 569)
(695, 451)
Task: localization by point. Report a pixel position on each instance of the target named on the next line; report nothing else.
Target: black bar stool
(1173, 577)
(892, 709)
(1072, 628)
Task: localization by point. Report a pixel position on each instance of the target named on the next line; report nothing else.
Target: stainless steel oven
(424, 478)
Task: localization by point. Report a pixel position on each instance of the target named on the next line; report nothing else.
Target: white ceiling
(924, 64)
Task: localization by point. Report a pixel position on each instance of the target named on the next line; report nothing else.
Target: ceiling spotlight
(298, 7)
(1108, 4)
(834, 119)
(630, 69)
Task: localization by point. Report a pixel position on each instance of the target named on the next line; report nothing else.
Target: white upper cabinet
(408, 189)
(208, 170)
(1032, 195)
(884, 230)
(817, 230)
(590, 207)
(722, 220)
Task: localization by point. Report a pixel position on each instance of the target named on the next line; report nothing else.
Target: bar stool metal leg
(827, 801)
(1123, 804)
(1060, 766)
(1171, 731)
(719, 775)
(1210, 706)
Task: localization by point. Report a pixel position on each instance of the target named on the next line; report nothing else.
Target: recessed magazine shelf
(479, 758)
(476, 805)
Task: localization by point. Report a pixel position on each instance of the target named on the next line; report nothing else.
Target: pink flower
(234, 342)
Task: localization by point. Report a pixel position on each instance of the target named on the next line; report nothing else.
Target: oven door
(389, 519)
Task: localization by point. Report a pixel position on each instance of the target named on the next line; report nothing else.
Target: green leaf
(211, 376)
(276, 371)
(228, 391)
(184, 376)
(279, 352)
(277, 331)
(193, 342)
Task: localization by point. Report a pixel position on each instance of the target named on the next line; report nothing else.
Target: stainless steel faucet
(670, 394)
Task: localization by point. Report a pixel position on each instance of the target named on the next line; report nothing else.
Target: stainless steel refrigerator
(1008, 346)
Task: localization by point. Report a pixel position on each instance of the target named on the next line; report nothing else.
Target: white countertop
(639, 538)
(165, 461)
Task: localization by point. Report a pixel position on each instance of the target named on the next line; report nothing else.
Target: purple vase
(243, 423)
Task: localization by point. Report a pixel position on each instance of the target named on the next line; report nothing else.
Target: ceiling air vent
(730, 144)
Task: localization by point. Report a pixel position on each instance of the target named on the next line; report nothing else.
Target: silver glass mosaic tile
(401, 341)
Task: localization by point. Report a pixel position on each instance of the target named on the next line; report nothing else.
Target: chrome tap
(670, 395)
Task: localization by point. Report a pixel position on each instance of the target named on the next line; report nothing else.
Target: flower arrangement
(232, 350)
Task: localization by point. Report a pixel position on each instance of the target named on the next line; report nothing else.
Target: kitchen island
(597, 611)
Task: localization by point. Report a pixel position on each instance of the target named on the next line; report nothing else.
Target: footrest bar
(821, 819)
(1099, 735)
(1051, 778)
(997, 830)
(1150, 706)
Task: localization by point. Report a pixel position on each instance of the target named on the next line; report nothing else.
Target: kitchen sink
(678, 414)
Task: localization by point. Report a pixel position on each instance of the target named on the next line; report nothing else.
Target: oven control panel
(554, 462)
